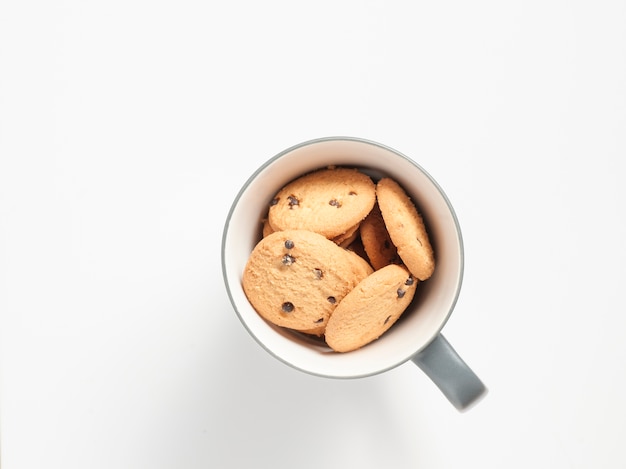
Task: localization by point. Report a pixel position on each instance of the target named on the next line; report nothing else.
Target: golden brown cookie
(370, 309)
(376, 240)
(296, 278)
(328, 201)
(406, 228)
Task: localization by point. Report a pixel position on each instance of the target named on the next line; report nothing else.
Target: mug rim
(269, 162)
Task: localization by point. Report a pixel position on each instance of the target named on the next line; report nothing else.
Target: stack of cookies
(340, 257)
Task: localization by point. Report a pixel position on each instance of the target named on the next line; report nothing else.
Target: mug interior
(434, 299)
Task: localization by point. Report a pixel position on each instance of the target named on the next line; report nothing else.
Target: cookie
(296, 278)
(328, 201)
(376, 240)
(406, 228)
(370, 309)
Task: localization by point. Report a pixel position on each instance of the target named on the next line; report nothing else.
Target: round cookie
(370, 309)
(406, 228)
(376, 240)
(296, 278)
(329, 201)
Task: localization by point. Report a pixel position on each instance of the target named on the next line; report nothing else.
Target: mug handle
(443, 365)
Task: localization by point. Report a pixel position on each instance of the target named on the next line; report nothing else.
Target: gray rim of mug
(367, 142)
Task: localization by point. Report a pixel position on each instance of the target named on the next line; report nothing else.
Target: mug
(417, 334)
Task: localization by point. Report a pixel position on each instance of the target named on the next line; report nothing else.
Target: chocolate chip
(288, 260)
(274, 201)
(331, 300)
(409, 281)
(289, 244)
(318, 273)
(287, 307)
(293, 201)
(334, 203)
(400, 292)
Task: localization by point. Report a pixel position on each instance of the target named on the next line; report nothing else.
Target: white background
(127, 128)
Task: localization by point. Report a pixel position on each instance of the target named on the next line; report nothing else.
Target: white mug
(417, 335)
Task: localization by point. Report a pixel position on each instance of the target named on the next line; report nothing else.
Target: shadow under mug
(417, 334)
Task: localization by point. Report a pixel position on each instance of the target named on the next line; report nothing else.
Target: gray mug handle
(443, 365)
